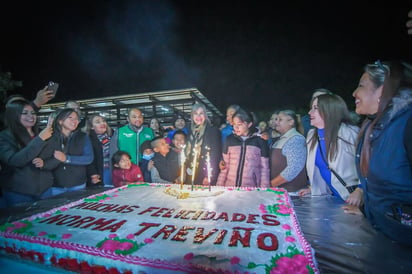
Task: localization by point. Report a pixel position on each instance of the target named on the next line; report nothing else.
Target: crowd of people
(363, 158)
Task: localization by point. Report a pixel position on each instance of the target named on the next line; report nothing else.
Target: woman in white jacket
(331, 150)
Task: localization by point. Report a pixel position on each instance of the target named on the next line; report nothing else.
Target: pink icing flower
(46, 215)
(148, 241)
(110, 245)
(234, 260)
(286, 265)
(284, 209)
(100, 201)
(290, 239)
(66, 236)
(42, 233)
(125, 246)
(130, 236)
(111, 236)
(188, 256)
(17, 225)
(262, 208)
(63, 209)
(286, 226)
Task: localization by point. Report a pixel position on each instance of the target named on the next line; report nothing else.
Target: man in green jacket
(130, 137)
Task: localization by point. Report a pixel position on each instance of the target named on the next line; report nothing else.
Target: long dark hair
(160, 131)
(334, 111)
(12, 117)
(61, 115)
(394, 76)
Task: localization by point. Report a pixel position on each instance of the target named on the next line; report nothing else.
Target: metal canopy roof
(161, 104)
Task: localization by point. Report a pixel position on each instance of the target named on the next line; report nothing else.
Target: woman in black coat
(100, 133)
(25, 176)
(204, 140)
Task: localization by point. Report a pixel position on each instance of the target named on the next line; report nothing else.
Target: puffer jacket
(79, 154)
(388, 184)
(247, 162)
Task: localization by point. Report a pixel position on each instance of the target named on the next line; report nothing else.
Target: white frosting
(166, 227)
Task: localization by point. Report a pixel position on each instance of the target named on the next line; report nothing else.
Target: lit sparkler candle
(209, 168)
(194, 165)
(182, 165)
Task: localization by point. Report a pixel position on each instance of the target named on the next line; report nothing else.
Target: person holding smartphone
(25, 175)
(43, 97)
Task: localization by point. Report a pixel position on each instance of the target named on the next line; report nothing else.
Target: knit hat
(177, 117)
(145, 145)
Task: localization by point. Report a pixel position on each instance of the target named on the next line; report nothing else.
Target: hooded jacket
(388, 184)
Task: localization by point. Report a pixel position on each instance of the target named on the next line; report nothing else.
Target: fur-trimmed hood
(400, 102)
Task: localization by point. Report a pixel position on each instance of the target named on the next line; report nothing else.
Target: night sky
(261, 56)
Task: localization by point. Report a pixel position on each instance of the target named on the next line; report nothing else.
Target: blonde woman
(204, 140)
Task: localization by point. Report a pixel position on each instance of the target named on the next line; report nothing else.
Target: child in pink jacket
(245, 155)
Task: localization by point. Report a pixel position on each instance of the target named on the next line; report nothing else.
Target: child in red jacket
(124, 171)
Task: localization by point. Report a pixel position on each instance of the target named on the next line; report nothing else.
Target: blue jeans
(60, 190)
(14, 198)
(107, 177)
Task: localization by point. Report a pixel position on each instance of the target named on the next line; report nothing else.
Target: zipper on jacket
(241, 164)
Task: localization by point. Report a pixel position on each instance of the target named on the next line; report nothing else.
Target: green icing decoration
(136, 185)
(275, 191)
(97, 198)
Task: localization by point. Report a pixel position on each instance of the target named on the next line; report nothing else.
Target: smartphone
(51, 119)
(53, 87)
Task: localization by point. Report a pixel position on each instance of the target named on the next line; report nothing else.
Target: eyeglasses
(29, 113)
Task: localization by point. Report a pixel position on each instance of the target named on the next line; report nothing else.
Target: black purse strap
(327, 164)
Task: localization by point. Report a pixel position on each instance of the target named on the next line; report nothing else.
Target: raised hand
(46, 133)
(43, 96)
